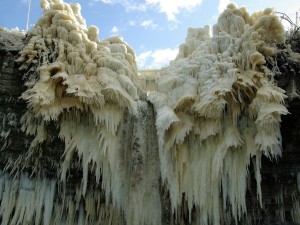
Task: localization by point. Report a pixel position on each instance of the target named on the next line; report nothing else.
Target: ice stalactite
(26, 201)
(35, 201)
(218, 108)
(295, 212)
(134, 196)
(84, 86)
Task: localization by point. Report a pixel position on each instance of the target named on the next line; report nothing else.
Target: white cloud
(108, 1)
(114, 29)
(149, 24)
(162, 57)
(173, 7)
(129, 5)
(170, 7)
(222, 5)
(132, 23)
(156, 59)
(142, 58)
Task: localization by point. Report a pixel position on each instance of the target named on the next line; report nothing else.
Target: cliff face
(33, 193)
(37, 196)
(280, 190)
(12, 107)
(281, 178)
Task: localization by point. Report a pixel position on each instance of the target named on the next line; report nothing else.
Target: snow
(25, 201)
(217, 109)
(12, 39)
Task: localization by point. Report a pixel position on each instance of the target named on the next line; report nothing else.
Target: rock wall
(37, 170)
(29, 177)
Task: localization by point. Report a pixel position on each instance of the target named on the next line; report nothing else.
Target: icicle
(295, 212)
(48, 201)
(218, 108)
(298, 181)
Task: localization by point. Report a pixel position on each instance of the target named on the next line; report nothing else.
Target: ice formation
(73, 74)
(22, 198)
(84, 86)
(218, 108)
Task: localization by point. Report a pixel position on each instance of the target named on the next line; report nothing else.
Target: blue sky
(154, 28)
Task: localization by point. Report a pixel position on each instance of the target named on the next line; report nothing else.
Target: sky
(153, 28)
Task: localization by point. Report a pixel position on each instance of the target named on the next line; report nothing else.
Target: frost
(217, 108)
(84, 86)
(12, 39)
(26, 201)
